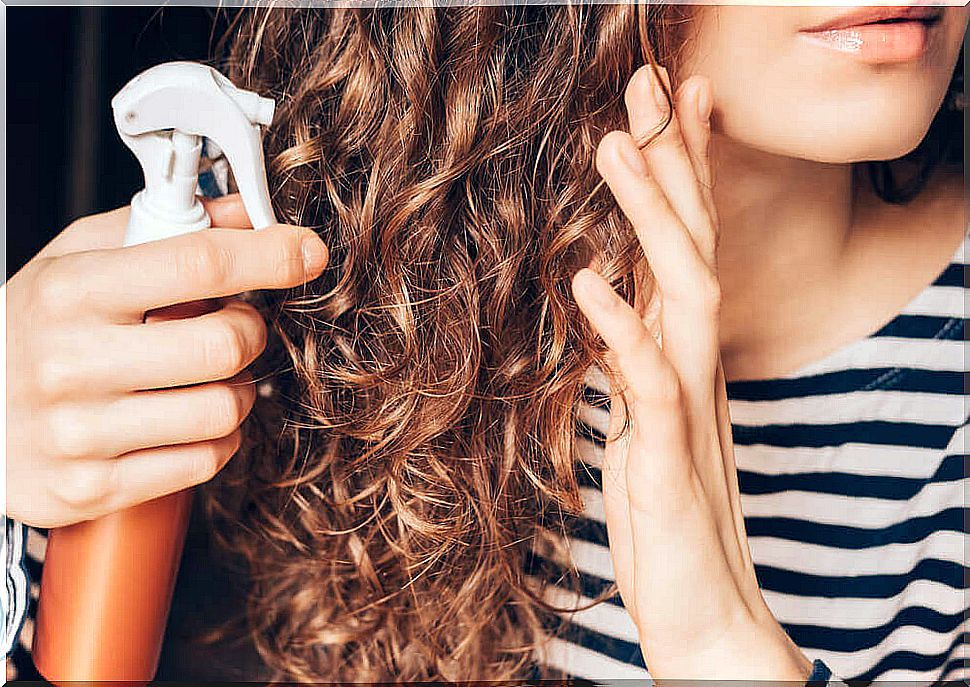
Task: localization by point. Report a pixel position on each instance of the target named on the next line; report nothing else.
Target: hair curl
(421, 441)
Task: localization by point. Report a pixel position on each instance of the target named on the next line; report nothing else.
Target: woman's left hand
(673, 512)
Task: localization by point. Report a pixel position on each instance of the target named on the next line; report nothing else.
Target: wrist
(743, 650)
(785, 660)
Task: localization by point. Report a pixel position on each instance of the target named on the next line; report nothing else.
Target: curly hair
(388, 499)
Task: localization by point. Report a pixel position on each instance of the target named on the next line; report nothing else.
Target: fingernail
(659, 96)
(595, 289)
(314, 253)
(704, 104)
(632, 158)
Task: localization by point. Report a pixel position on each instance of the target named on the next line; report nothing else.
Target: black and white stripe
(853, 478)
(853, 473)
(17, 584)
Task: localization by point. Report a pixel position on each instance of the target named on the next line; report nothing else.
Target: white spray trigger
(162, 114)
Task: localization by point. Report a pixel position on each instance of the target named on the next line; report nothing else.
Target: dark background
(64, 157)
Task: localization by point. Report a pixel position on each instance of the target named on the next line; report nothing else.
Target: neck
(784, 225)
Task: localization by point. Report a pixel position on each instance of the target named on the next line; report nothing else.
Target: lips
(877, 35)
(864, 16)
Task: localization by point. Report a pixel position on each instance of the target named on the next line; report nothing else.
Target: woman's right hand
(108, 408)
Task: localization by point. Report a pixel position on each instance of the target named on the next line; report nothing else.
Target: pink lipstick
(877, 35)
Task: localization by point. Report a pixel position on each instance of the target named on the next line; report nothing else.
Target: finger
(101, 231)
(213, 346)
(124, 283)
(690, 294)
(166, 353)
(694, 102)
(616, 496)
(649, 378)
(147, 474)
(667, 244)
(148, 419)
(632, 476)
(652, 386)
(107, 229)
(667, 157)
(227, 212)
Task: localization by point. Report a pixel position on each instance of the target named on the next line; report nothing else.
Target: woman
(413, 508)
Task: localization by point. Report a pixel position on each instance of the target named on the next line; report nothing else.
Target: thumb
(618, 399)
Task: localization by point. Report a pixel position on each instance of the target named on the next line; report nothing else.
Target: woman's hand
(673, 511)
(107, 408)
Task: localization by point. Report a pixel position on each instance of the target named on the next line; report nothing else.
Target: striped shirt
(853, 481)
(853, 478)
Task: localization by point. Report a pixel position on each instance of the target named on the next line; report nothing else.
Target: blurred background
(64, 157)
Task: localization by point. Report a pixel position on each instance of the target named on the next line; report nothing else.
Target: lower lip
(876, 43)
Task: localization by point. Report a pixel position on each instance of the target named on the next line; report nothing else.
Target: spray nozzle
(161, 115)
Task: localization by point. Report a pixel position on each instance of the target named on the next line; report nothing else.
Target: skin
(800, 284)
(791, 239)
(84, 440)
(122, 336)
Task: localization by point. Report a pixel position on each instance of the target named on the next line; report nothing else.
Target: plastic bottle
(107, 583)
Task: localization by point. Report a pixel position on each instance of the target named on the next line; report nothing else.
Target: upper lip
(870, 15)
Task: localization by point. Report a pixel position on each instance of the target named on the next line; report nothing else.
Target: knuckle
(84, 486)
(68, 436)
(673, 138)
(80, 223)
(57, 286)
(642, 338)
(638, 86)
(222, 347)
(53, 376)
(206, 462)
(234, 445)
(260, 333)
(674, 141)
(607, 152)
(255, 330)
(709, 291)
(203, 465)
(203, 262)
(289, 265)
(247, 397)
(225, 410)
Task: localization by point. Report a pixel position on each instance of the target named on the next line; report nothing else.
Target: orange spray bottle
(107, 583)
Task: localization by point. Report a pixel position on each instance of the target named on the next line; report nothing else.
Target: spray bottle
(107, 583)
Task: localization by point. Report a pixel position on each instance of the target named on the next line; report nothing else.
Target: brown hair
(422, 436)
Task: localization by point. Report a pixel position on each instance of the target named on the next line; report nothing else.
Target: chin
(870, 143)
(837, 140)
(895, 129)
